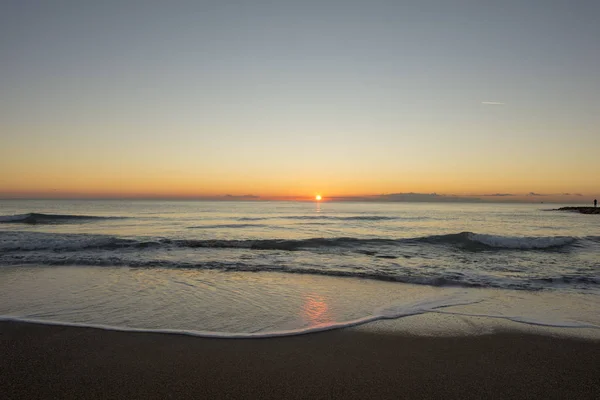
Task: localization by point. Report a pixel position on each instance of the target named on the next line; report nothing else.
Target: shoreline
(425, 324)
(51, 361)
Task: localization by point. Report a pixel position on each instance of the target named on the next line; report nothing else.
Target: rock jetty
(582, 210)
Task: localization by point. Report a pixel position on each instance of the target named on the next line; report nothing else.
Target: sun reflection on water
(315, 310)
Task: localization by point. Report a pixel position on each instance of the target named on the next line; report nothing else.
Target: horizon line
(524, 199)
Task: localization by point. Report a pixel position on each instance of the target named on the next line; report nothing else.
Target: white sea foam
(432, 305)
(427, 305)
(528, 320)
(395, 312)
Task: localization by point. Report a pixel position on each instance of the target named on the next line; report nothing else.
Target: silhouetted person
(595, 203)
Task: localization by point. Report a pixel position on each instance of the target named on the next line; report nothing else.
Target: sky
(286, 99)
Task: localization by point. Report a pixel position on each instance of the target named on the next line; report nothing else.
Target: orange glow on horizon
(51, 180)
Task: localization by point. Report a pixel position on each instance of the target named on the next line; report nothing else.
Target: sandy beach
(42, 362)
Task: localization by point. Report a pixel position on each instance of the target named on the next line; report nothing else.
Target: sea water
(255, 269)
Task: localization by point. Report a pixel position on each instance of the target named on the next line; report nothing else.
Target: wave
(397, 273)
(27, 241)
(350, 218)
(570, 279)
(228, 226)
(464, 240)
(329, 217)
(474, 241)
(39, 218)
(74, 242)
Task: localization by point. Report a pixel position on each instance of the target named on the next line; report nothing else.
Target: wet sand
(43, 361)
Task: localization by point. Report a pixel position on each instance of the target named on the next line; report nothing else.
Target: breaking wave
(463, 259)
(474, 241)
(23, 241)
(39, 218)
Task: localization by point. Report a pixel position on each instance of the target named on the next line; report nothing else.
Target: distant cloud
(571, 194)
(536, 194)
(498, 195)
(492, 103)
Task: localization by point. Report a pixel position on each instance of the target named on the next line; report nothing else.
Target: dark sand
(39, 361)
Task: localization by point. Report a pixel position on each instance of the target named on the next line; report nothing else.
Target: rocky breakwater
(582, 210)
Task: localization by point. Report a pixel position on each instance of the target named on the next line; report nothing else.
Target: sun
(318, 197)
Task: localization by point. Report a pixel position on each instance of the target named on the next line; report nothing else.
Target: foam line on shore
(204, 334)
(525, 320)
(395, 312)
(388, 313)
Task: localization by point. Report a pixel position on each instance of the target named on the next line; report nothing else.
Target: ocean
(260, 268)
